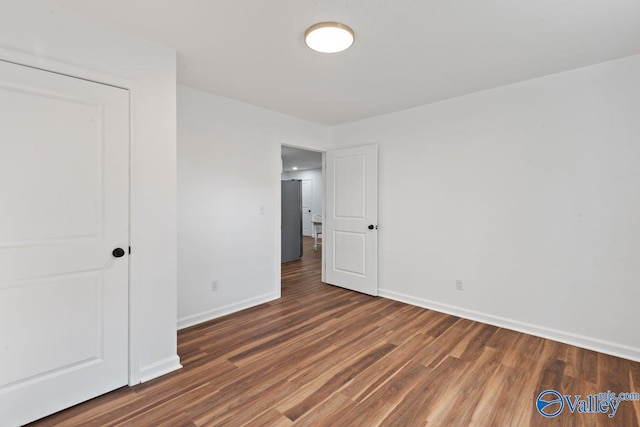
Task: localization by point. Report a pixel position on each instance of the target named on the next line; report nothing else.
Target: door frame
(109, 80)
(279, 213)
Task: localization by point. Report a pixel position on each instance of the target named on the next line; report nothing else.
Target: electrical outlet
(459, 285)
(214, 286)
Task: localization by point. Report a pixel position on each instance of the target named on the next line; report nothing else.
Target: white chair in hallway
(316, 220)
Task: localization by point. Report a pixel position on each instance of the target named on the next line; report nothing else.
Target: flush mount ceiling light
(329, 37)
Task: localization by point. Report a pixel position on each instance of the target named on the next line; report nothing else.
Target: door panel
(307, 193)
(351, 208)
(64, 179)
(78, 318)
(350, 197)
(349, 252)
(62, 205)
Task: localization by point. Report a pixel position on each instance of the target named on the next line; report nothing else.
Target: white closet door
(64, 206)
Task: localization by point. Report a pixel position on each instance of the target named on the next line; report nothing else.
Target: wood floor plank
(465, 395)
(270, 418)
(252, 404)
(322, 355)
(444, 344)
(326, 413)
(502, 391)
(362, 386)
(340, 356)
(426, 394)
(377, 406)
(337, 381)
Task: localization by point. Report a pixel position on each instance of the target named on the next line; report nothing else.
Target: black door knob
(371, 227)
(118, 252)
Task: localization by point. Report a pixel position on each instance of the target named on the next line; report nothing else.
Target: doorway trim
(279, 216)
(53, 66)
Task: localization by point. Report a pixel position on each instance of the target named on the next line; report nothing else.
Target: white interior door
(351, 218)
(307, 197)
(64, 189)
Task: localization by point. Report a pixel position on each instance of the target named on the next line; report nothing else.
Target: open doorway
(302, 212)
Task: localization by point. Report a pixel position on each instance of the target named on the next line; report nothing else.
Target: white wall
(30, 32)
(315, 176)
(228, 166)
(530, 193)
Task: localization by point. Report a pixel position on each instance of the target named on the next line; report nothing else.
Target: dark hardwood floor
(325, 356)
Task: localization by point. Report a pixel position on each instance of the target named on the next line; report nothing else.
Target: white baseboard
(614, 349)
(195, 319)
(160, 368)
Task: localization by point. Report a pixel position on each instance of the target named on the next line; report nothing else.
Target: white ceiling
(406, 52)
(301, 159)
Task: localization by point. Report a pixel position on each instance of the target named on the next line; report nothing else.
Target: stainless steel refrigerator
(291, 234)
